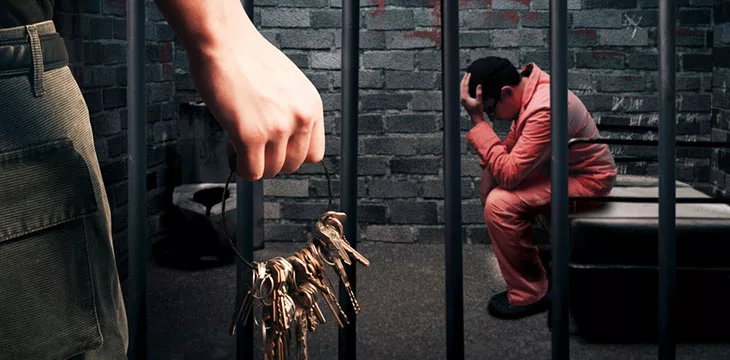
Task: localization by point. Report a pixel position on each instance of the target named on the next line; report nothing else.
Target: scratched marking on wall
(626, 104)
(632, 24)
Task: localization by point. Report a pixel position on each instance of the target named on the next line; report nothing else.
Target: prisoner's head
(499, 80)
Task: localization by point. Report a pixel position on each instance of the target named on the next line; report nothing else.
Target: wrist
(476, 118)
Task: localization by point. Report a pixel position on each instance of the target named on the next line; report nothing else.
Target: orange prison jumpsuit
(521, 167)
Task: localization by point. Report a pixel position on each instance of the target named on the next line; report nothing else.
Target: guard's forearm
(202, 25)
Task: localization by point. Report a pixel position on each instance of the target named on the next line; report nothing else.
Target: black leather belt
(16, 52)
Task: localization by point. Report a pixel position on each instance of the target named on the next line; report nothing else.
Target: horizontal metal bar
(688, 200)
(697, 144)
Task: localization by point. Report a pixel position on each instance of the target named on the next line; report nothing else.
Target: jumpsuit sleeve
(530, 151)
(509, 142)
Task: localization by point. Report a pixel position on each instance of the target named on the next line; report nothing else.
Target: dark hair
(492, 73)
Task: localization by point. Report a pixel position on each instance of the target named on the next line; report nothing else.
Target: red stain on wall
(380, 9)
(688, 32)
(532, 16)
(511, 16)
(597, 54)
(590, 33)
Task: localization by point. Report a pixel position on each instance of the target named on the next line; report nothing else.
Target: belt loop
(37, 60)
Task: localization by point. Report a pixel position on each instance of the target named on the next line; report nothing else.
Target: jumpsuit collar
(536, 77)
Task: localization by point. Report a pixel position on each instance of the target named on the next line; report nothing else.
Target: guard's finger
(479, 93)
(464, 88)
(250, 160)
(275, 157)
(316, 142)
(296, 150)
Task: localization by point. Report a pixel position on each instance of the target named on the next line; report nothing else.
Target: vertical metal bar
(667, 155)
(137, 161)
(347, 346)
(452, 182)
(559, 176)
(247, 195)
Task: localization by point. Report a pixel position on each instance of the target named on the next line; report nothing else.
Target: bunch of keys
(288, 289)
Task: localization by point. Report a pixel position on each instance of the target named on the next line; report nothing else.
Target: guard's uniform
(60, 296)
(521, 167)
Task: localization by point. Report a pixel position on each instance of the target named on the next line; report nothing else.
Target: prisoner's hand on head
(473, 106)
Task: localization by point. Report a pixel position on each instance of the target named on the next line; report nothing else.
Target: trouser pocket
(47, 304)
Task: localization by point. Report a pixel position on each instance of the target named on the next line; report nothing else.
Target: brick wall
(95, 33)
(720, 172)
(612, 67)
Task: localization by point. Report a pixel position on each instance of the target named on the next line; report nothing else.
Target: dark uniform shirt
(23, 12)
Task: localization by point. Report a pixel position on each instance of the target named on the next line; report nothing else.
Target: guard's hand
(271, 111)
(473, 106)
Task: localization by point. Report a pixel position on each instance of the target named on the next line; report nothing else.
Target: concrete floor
(403, 312)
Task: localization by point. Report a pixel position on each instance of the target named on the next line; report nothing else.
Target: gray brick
(533, 37)
(698, 62)
(545, 4)
(598, 18)
(114, 98)
(94, 28)
(114, 172)
(478, 235)
(286, 232)
(510, 4)
(623, 37)
(430, 145)
(582, 37)
(391, 19)
(434, 189)
(286, 187)
(157, 32)
(392, 60)
(307, 39)
(407, 40)
(372, 40)
(425, 17)
(331, 101)
(721, 34)
(694, 102)
(684, 82)
(469, 39)
(113, 7)
(272, 210)
(537, 19)
(370, 124)
(302, 210)
(294, 3)
(326, 19)
(384, 101)
(416, 165)
(391, 145)
(612, 4)
(373, 165)
(371, 79)
(157, 92)
(471, 213)
(467, 56)
(685, 37)
(300, 59)
(428, 60)
(427, 101)
(412, 212)
(542, 58)
(620, 83)
(430, 234)
(114, 54)
(390, 233)
(411, 123)
(600, 59)
(694, 17)
(643, 61)
(371, 213)
(392, 188)
(412, 80)
(325, 60)
(487, 19)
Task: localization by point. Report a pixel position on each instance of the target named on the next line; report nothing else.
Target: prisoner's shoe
(500, 307)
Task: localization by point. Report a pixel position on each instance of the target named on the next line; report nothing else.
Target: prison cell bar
(249, 196)
(452, 180)
(667, 185)
(559, 176)
(137, 161)
(347, 336)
